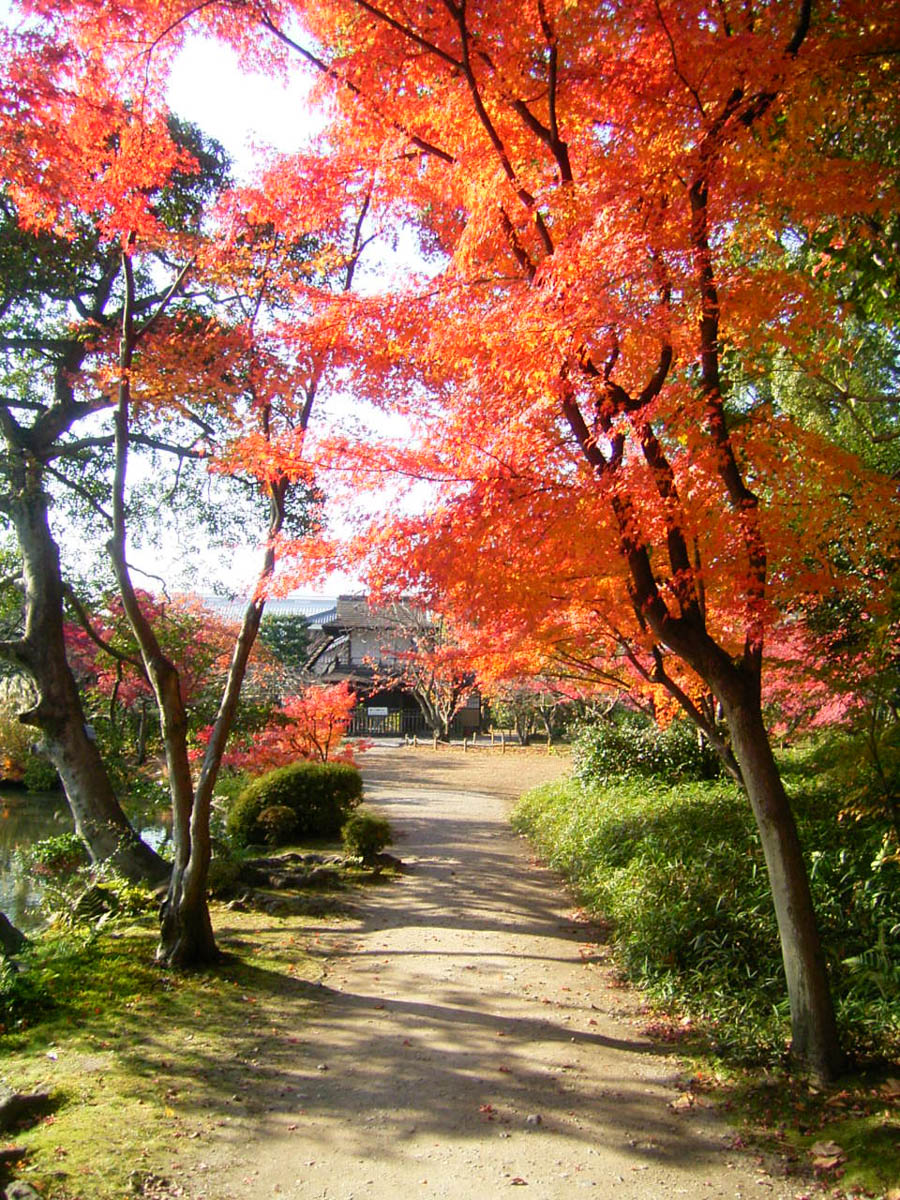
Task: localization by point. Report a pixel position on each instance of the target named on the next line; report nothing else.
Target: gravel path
(470, 1039)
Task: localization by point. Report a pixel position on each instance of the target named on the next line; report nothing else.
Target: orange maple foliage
(613, 196)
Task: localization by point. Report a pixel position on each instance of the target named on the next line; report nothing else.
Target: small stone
(322, 1067)
(22, 1107)
(20, 1190)
(534, 1119)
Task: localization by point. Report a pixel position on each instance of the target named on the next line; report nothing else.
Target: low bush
(277, 823)
(632, 746)
(15, 744)
(58, 856)
(40, 774)
(679, 874)
(365, 835)
(320, 795)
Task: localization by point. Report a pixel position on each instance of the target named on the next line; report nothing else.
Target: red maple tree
(615, 198)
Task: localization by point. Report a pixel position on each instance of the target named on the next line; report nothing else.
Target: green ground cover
(675, 870)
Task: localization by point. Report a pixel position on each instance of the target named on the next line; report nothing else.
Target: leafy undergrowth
(845, 1139)
(677, 874)
(143, 1063)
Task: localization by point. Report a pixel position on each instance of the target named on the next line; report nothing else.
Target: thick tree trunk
(58, 714)
(737, 687)
(186, 936)
(815, 1040)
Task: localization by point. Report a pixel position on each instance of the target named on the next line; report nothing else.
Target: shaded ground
(466, 1035)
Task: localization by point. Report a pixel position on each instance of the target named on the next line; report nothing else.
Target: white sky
(246, 112)
(250, 114)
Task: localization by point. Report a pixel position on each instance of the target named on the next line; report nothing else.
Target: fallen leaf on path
(826, 1155)
(518, 1181)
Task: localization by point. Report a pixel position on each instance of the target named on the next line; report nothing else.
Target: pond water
(28, 817)
(25, 818)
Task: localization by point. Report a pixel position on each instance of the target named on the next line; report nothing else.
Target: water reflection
(25, 818)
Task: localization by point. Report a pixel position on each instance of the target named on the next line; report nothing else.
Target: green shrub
(224, 874)
(679, 874)
(15, 741)
(277, 823)
(632, 746)
(365, 835)
(321, 796)
(40, 774)
(59, 856)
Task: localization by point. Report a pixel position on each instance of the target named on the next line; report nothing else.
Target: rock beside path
(18, 1108)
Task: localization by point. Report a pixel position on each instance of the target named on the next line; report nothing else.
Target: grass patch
(677, 874)
(144, 1065)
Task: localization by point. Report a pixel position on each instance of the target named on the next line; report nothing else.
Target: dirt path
(468, 1039)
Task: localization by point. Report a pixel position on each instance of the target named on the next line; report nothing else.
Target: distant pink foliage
(805, 687)
(310, 725)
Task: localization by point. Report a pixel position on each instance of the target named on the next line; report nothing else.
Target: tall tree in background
(60, 302)
(166, 340)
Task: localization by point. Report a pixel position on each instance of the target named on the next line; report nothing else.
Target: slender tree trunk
(58, 714)
(737, 687)
(186, 932)
(815, 1040)
(186, 928)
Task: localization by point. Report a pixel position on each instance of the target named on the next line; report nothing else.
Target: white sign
(375, 710)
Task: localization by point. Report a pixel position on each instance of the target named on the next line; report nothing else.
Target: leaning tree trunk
(815, 1040)
(186, 932)
(58, 713)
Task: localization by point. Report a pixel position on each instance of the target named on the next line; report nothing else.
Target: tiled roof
(314, 609)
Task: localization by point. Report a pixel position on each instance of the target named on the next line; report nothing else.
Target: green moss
(147, 1056)
(846, 1135)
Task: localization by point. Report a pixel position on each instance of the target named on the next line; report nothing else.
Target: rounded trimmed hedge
(365, 835)
(321, 796)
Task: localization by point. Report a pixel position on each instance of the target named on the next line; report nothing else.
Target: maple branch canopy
(613, 197)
